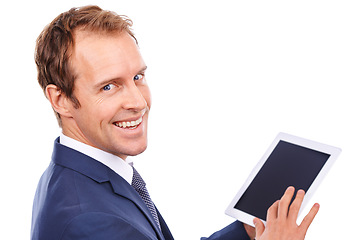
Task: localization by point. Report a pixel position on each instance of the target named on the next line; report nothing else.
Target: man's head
(56, 42)
(92, 72)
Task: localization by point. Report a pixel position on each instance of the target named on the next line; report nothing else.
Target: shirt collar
(115, 163)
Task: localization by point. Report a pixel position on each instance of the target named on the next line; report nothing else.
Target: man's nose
(134, 99)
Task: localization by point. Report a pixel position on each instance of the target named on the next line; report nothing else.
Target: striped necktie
(140, 186)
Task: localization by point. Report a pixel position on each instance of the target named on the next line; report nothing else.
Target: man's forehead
(86, 43)
(81, 35)
(94, 52)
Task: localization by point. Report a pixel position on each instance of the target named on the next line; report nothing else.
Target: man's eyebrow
(143, 69)
(107, 81)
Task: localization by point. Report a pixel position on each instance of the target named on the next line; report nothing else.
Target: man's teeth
(131, 124)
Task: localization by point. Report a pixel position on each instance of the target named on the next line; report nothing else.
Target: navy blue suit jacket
(80, 198)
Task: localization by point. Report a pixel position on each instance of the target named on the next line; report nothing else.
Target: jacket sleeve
(95, 226)
(234, 231)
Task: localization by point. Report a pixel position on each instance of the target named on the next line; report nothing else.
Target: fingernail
(301, 191)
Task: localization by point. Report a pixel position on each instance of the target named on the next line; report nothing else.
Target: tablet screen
(288, 165)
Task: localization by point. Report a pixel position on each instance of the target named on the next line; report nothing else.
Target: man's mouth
(129, 125)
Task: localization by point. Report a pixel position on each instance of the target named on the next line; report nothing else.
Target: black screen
(288, 165)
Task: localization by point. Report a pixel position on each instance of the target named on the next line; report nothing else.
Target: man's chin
(131, 152)
(135, 153)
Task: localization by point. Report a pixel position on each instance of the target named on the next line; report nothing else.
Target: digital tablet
(289, 161)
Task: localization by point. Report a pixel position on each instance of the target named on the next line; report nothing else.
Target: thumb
(259, 227)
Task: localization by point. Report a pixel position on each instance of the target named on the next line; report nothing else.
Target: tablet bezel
(332, 151)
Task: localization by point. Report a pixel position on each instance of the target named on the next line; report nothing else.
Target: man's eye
(138, 77)
(108, 87)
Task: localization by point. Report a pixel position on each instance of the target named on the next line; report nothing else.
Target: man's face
(113, 94)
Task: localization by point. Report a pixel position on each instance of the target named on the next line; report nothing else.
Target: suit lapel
(123, 188)
(100, 173)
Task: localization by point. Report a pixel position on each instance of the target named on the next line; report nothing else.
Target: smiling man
(112, 91)
(92, 72)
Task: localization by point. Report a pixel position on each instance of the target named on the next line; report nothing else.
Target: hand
(281, 220)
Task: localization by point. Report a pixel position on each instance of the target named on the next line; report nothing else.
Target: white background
(226, 78)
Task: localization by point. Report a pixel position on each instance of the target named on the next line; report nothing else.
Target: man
(92, 72)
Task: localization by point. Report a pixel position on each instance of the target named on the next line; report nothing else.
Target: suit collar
(85, 165)
(115, 163)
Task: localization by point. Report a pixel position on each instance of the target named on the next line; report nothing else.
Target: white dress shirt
(115, 163)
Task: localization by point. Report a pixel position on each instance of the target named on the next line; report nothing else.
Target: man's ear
(58, 100)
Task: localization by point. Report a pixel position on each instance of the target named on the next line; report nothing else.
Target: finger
(309, 217)
(272, 212)
(285, 202)
(296, 204)
(259, 227)
(250, 230)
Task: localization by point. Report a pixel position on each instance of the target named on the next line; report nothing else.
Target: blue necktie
(140, 186)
